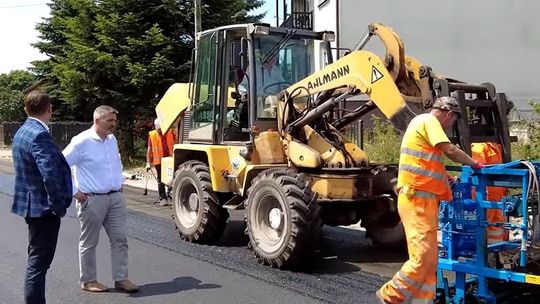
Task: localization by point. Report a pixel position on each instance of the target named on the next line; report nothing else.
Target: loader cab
(238, 72)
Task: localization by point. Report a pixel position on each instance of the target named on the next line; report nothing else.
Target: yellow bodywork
(532, 279)
(167, 170)
(172, 104)
(331, 156)
(229, 172)
(176, 100)
(395, 52)
(363, 70)
(268, 148)
(336, 187)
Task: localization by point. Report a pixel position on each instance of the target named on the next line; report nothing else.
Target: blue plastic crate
(457, 221)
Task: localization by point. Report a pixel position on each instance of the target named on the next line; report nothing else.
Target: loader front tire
(283, 218)
(198, 214)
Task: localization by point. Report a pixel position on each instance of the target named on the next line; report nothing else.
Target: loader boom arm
(365, 72)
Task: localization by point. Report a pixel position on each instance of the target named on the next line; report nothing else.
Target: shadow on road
(175, 286)
(234, 235)
(338, 257)
(355, 253)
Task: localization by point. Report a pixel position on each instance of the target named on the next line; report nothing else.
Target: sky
(270, 8)
(18, 19)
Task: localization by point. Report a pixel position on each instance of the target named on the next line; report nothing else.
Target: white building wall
(324, 19)
(474, 41)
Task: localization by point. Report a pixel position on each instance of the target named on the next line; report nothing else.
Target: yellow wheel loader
(261, 129)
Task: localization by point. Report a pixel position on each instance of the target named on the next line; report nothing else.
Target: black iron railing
(299, 20)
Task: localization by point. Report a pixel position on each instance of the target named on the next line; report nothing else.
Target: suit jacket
(42, 174)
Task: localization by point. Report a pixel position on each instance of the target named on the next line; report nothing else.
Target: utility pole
(197, 7)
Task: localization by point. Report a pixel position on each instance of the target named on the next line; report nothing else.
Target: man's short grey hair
(103, 110)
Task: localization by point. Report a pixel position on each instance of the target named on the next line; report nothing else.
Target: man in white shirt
(269, 81)
(97, 174)
(269, 78)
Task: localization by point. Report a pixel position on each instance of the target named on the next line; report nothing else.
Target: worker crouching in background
(490, 153)
(159, 145)
(422, 183)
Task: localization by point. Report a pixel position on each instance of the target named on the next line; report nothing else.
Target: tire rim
(269, 222)
(187, 204)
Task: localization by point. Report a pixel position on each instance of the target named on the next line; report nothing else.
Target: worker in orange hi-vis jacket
(159, 145)
(490, 153)
(422, 183)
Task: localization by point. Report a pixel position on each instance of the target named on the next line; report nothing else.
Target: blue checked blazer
(42, 174)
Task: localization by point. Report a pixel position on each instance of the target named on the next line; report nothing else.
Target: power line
(24, 5)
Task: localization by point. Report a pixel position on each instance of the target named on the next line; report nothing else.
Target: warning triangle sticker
(375, 74)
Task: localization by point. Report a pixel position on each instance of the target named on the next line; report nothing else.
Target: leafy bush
(11, 98)
(11, 105)
(383, 142)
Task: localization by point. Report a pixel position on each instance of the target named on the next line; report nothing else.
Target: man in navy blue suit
(43, 191)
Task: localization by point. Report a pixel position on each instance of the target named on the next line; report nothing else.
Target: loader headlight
(261, 30)
(329, 37)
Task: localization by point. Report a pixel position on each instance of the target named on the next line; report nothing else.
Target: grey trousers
(110, 212)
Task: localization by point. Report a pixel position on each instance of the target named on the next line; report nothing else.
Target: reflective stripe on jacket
(421, 167)
(156, 146)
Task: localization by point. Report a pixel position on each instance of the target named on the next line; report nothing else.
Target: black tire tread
(305, 218)
(214, 217)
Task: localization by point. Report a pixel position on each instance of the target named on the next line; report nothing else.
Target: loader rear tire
(198, 214)
(283, 218)
(387, 232)
(387, 229)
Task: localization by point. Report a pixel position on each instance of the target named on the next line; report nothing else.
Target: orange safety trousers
(490, 153)
(416, 280)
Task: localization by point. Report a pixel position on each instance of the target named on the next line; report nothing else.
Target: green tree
(124, 53)
(11, 97)
(529, 149)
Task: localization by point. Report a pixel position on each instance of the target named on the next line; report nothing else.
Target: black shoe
(164, 202)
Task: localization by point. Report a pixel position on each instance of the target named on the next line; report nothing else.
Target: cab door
(206, 94)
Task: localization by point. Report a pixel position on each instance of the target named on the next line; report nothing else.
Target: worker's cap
(447, 103)
(157, 123)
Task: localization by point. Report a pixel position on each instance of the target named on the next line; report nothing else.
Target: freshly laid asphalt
(348, 268)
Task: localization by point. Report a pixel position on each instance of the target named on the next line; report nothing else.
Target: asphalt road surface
(347, 269)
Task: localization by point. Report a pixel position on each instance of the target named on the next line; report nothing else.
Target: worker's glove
(477, 166)
(453, 180)
(148, 167)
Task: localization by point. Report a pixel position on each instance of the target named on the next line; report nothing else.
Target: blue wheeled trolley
(479, 273)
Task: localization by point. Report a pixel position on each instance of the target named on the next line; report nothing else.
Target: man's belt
(107, 193)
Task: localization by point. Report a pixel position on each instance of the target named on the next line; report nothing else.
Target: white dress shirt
(41, 122)
(265, 77)
(95, 163)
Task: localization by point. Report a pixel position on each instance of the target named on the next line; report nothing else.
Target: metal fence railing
(299, 20)
(62, 132)
(355, 133)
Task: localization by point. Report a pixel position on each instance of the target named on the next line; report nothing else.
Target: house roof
(36, 86)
